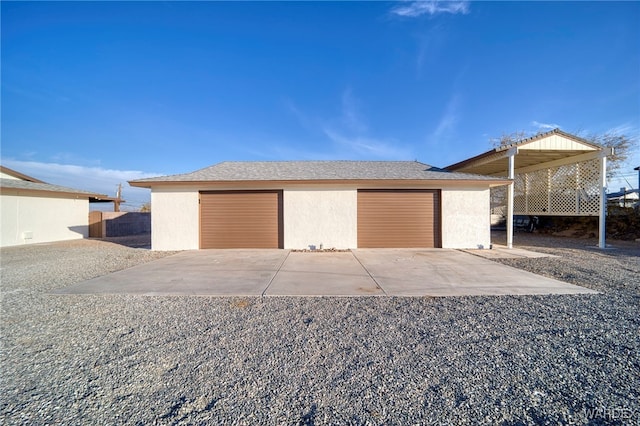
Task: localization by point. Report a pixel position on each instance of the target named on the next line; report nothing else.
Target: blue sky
(94, 94)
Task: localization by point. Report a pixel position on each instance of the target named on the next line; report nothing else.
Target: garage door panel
(241, 219)
(398, 218)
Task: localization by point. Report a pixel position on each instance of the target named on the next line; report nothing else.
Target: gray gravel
(109, 359)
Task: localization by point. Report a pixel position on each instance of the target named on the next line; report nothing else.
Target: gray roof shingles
(316, 170)
(34, 186)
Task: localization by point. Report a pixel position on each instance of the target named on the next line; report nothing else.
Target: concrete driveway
(392, 272)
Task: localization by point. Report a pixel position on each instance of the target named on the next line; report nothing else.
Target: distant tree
(621, 145)
(511, 138)
(146, 207)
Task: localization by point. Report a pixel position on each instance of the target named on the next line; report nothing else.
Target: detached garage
(333, 204)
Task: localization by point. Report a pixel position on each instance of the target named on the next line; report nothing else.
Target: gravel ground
(113, 359)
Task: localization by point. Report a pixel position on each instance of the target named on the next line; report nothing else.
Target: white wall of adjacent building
(465, 218)
(175, 223)
(37, 219)
(326, 217)
(8, 176)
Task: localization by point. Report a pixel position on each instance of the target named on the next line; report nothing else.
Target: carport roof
(554, 145)
(238, 171)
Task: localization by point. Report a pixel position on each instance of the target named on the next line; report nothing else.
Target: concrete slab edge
(275, 274)
(369, 273)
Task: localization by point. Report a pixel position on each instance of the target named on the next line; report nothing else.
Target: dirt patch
(622, 224)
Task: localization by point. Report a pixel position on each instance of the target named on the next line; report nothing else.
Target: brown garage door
(398, 218)
(241, 219)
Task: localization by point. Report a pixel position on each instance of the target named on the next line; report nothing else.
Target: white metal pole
(512, 156)
(603, 202)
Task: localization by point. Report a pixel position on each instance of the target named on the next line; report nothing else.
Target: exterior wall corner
(175, 219)
(465, 218)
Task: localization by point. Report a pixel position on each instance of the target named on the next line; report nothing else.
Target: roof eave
(382, 182)
(491, 155)
(29, 191)
(19, 175)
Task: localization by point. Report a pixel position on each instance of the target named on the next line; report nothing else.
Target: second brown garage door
(241, 219)
(398, 218)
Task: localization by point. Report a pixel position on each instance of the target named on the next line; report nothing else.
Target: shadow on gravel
(141, 241)
(524, 239)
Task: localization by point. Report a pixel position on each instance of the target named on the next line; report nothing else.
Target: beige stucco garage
(328, 204)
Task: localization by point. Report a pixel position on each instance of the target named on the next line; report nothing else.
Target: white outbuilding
(33, 211)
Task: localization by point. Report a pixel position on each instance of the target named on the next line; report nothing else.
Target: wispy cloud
(429, 48)
(413, 9)
(369, 147)
(35, 93)
(88, 178)
(303, 119)
(351, 131)
(631, 130)
(545, 126)
(348, 131)
(277, 150)
(351, 115)
(449, 118)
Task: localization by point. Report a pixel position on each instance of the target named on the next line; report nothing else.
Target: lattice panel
(575, 188)
(569, 190)
(562, 189)
(537, 191)
(589, 191)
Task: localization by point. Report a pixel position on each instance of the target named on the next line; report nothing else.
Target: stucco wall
(322, 216)
(465, 218)
(174, 219)
(30, 220)
(326, 216)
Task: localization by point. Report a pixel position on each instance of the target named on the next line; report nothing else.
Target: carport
(553, 173)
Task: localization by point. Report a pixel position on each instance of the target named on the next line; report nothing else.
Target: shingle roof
(46, 187)
(315, 170)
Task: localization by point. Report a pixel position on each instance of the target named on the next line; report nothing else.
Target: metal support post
(602, 228)
(512, 156)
